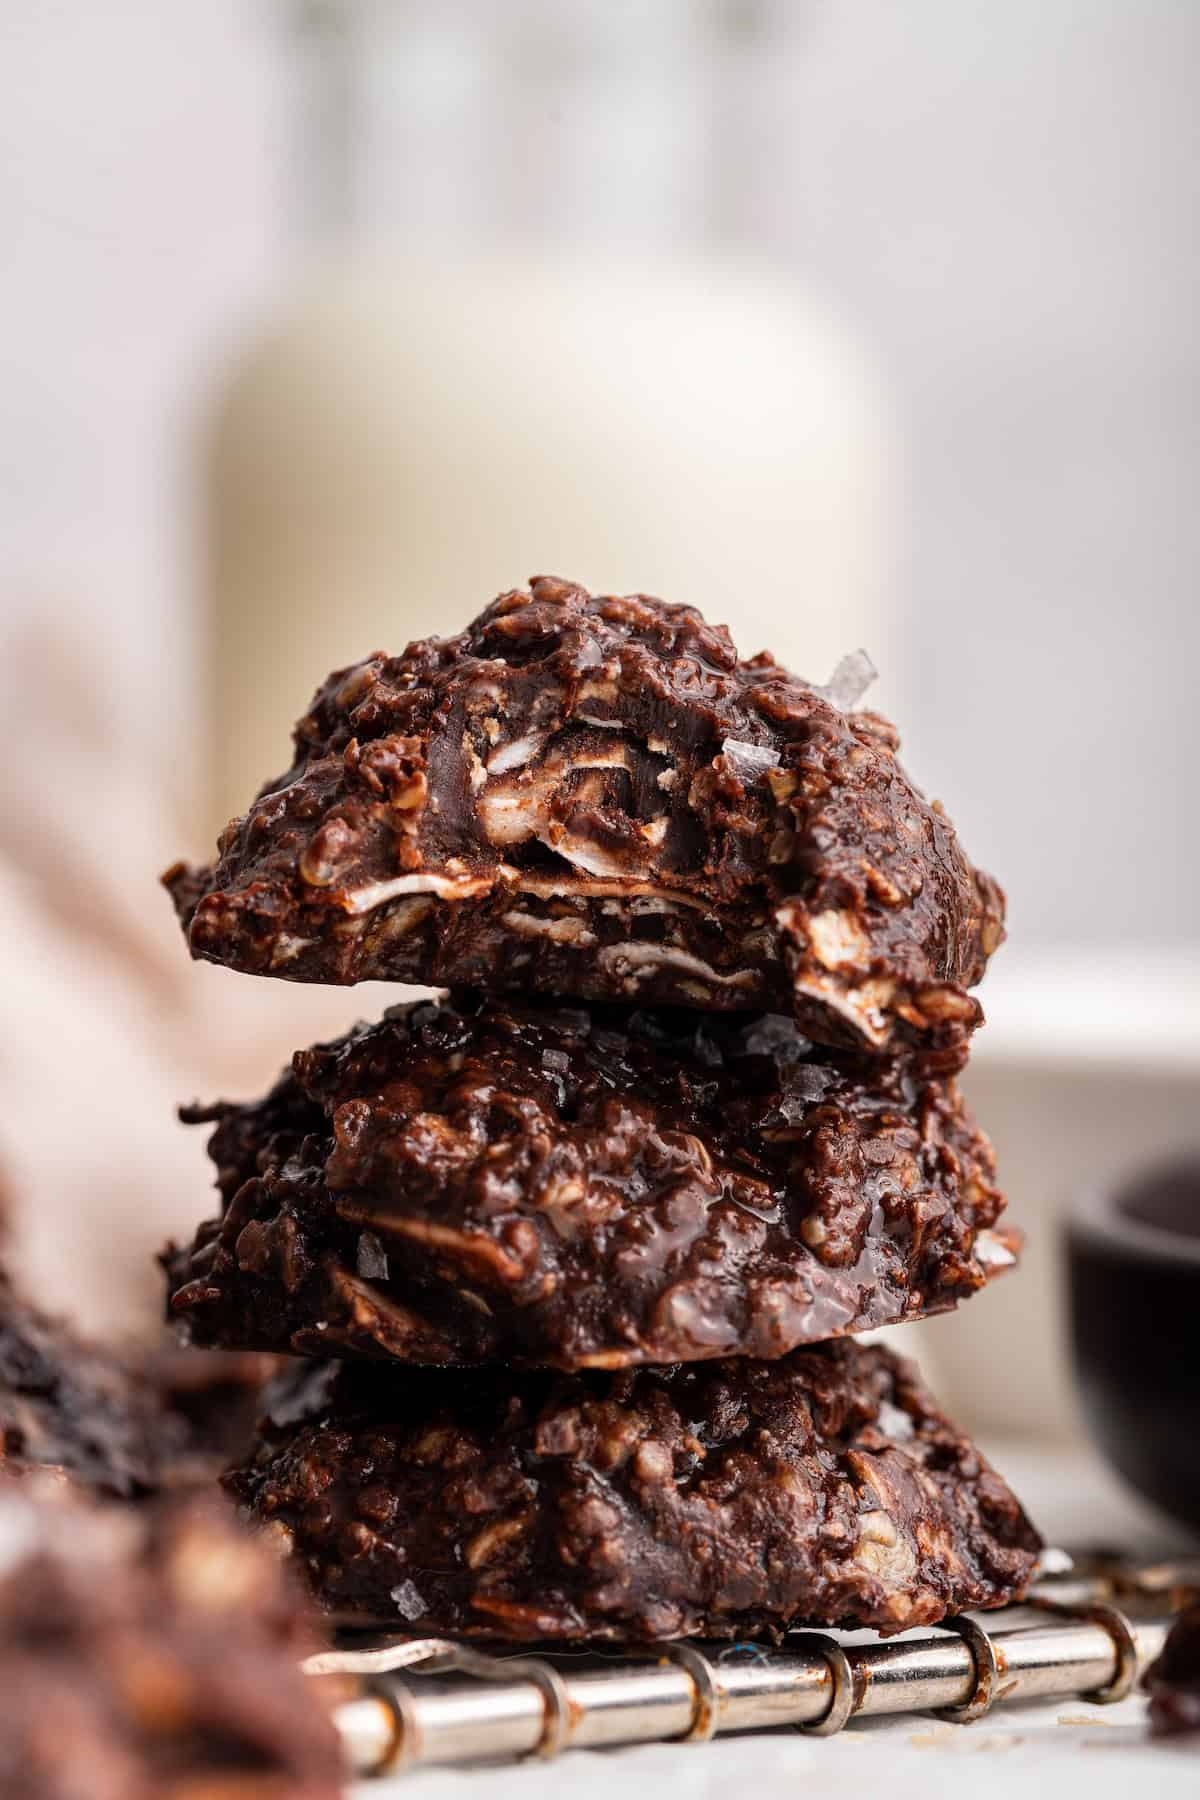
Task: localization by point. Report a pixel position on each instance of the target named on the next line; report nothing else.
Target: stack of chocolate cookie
(591, 1237)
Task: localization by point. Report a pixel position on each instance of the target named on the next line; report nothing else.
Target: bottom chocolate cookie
(710, 1499)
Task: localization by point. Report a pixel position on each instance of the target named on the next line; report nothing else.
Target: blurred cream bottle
(567, 370)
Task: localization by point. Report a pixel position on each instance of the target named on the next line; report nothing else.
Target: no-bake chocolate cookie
(152, 1654)
(721, 1499)
(79, 1408)
(1173, 1679)
(474, 1180)
(126, 1425)
(595, 797)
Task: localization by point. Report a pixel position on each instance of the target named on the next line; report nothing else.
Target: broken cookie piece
(152, 1654)
(596, 798)
(215, 1395)
(1173, 1679)
(80, 1409)
(124, 1424)
(722, 1499)
(586, 1188)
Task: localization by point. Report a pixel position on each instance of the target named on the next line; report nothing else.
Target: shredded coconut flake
(377, 893)
(516, 754)
(583, 718)
(592, 858)
(635, 959)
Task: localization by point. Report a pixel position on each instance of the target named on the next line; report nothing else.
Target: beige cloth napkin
(107, 1026)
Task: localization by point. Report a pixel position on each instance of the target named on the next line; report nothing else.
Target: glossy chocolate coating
(475, 1180)
(595, 798)
(719, 1499)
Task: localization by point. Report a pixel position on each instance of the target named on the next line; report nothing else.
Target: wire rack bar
(433, 1701)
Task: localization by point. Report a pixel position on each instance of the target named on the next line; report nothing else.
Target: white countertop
(1050, 1748)
(1118, 1005)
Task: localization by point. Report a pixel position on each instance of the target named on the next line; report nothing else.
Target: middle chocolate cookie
(473, 1180)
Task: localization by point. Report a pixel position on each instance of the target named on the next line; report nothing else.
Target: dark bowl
(1133, 1263)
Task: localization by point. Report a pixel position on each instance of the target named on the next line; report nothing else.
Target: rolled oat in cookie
(595, 797)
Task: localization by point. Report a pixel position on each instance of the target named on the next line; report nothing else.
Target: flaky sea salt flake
(748, 761)
(409, 1600)
(850, 680)
(777, 1036)
(805, 1085)
(372, 1258)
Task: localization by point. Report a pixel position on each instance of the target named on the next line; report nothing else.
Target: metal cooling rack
(1088, 1628)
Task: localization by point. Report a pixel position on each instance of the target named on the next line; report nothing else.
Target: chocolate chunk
(151, 1654)
(722, 1499)
(474, 1180)
(1173, 1679)
(595, 797)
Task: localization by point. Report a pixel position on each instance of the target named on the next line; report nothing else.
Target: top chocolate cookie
(594, 797)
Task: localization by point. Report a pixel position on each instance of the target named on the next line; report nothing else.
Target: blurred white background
(916, 289)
